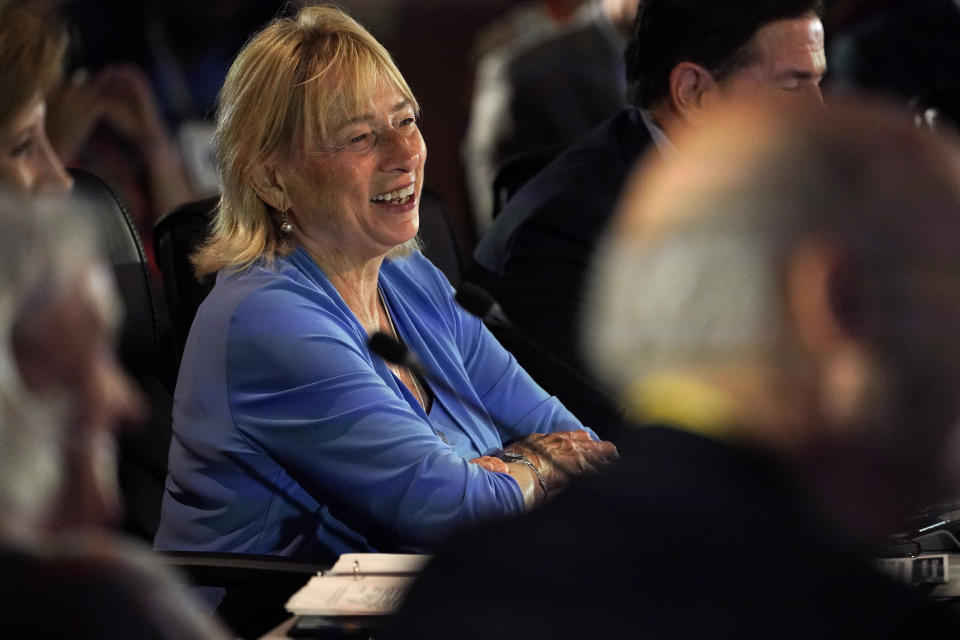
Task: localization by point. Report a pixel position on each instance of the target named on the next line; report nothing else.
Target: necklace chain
(397, 371)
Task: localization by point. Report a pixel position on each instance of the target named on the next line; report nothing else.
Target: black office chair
(176, 237)
(144, 352)
(439, 241)
(180, 233)
(517, 169)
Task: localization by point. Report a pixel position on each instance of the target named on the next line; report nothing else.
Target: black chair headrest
(121, 245)
(176, 237)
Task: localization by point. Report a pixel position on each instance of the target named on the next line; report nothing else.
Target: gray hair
(41, 252)
(704, 296)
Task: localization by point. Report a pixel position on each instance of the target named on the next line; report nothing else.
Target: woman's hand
(562, 455)
(132, 111)
(73, 110)
(130, 107)
(119, 95)
(491, 464)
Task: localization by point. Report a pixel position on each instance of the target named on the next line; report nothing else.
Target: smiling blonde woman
(290, 436)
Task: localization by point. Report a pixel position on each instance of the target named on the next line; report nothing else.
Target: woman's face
(27, 161)
(356, 195)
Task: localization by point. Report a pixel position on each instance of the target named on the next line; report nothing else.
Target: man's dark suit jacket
(686, 537)
(535, 257)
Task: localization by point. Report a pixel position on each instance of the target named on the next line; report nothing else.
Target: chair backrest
(439, 241)
(516, 170)
(180, 233)
(144, 352)
(141, 330)
(176, 237)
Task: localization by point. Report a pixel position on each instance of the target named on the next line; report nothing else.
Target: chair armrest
(240, 570)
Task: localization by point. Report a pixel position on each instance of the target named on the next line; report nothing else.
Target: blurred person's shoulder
(97, 586)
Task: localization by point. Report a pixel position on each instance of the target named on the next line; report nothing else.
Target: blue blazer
(291, 438)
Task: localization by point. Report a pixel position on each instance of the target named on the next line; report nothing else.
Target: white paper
(350, 596)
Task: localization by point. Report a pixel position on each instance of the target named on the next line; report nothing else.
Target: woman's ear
(269, 187)
(692, 90)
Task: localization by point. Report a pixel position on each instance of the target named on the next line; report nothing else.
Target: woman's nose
(404, 151)
(51, 176)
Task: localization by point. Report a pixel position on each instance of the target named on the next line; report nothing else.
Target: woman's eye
(22, 147)
(358, 139)
(406, 122)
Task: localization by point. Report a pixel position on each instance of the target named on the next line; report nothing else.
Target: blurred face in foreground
(803, 262)
(67, 354)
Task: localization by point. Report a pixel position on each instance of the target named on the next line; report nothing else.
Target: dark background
(432, 42)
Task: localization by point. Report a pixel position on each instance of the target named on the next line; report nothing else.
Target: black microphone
(481, 304)
(394, 352)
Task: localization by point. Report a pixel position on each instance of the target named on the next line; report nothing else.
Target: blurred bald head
(804, 263)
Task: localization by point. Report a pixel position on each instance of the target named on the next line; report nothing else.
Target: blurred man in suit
(683, 58)
(782, 300)
(543, 89)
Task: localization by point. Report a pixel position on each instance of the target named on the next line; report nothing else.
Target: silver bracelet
(511, 456)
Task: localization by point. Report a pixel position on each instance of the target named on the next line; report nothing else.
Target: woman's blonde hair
(286, 85)
(32, 45)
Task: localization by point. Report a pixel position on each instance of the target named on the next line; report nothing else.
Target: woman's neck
(356, 281)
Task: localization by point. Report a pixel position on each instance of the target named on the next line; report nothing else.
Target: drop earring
(285, 225)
